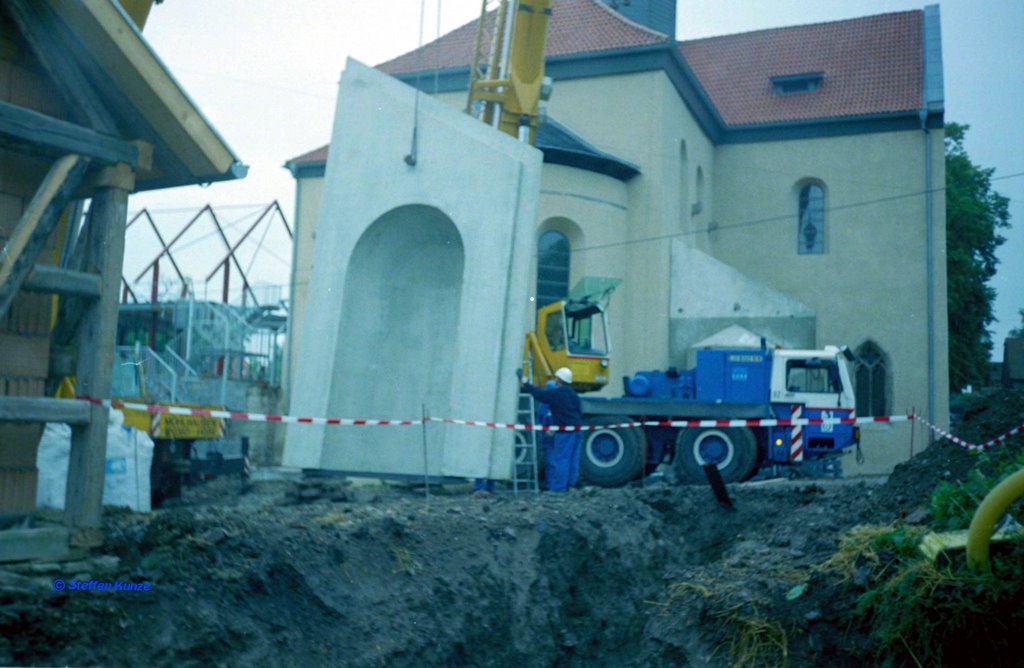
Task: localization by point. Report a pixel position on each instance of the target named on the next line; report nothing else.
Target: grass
(750, 638)
(921, 612)
(404, 561)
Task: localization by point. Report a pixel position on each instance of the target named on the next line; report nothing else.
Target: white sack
(126, 476)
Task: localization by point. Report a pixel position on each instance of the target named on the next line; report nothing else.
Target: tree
(974, 214)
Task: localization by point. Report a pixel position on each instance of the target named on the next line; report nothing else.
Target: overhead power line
(774, 219)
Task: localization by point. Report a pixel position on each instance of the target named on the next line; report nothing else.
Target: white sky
(265, 72)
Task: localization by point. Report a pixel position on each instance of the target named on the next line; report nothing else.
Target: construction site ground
(311, 573)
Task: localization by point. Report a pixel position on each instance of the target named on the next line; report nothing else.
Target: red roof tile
(316, 155)
(871, 65)
(576, 26)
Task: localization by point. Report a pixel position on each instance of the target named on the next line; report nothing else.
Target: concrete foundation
(418, 291)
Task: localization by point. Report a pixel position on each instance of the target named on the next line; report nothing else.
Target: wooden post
(95, 339)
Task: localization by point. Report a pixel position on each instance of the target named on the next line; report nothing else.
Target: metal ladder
(524, 463)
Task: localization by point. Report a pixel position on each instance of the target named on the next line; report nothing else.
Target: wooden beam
(103, 245)
(49, 544)
(43, 31)
(108, 35)
(43, 409)
(70, 311)
(18, 257)
(54, 280)
(28, 131)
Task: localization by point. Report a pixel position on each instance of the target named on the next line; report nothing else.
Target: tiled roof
(316, 155)
(576, 26)
(871, 65)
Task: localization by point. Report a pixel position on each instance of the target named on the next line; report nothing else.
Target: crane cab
(573, 333)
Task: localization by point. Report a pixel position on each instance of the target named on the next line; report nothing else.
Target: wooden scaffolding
(88, 115)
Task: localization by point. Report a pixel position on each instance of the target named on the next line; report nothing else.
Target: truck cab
(812, 378)
(573, 333)
(811, 384)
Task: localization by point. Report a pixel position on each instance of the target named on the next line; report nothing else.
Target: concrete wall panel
(708, 295)
(418, 291)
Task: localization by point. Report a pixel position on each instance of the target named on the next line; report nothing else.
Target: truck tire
(611, 457)
(733, 450)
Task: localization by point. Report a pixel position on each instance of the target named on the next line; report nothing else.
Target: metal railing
(141, 372)
(236, 342)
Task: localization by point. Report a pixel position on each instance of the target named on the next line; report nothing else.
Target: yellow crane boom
(508, 94)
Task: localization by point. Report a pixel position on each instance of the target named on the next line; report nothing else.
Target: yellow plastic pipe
(986, 516)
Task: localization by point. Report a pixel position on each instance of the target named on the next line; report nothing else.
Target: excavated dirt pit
(321, 573)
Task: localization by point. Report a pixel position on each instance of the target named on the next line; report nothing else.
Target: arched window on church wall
(871, 372)
(553, 256)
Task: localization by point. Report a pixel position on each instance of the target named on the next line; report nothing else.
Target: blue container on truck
(724, 411)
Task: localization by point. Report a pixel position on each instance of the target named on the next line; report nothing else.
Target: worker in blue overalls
(564, 463)
(546, 438)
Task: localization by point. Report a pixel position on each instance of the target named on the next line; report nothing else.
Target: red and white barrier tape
(971, 446)
(251, 417)
(347, 422)
(156, 409)
(758, 422)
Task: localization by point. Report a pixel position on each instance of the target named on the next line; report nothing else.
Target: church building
(784, 183)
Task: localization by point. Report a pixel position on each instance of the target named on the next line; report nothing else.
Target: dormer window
(797, 83)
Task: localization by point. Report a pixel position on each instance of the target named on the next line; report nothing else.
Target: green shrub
(953, 504)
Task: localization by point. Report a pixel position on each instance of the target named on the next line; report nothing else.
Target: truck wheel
(733, 450)
(611, 457)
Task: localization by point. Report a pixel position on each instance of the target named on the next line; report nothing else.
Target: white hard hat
(564, 375)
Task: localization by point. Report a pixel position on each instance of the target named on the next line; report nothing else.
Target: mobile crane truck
(742, 384)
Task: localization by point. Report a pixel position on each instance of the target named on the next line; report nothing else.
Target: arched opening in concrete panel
(398, 335)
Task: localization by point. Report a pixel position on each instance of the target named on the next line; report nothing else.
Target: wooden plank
(43, 31)
(43, 409)
(69, 311)
(37, 222)
(54, 280)
(42, 543)
(139, 73)
(30, 132)
(95, 339)
(24, 357)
